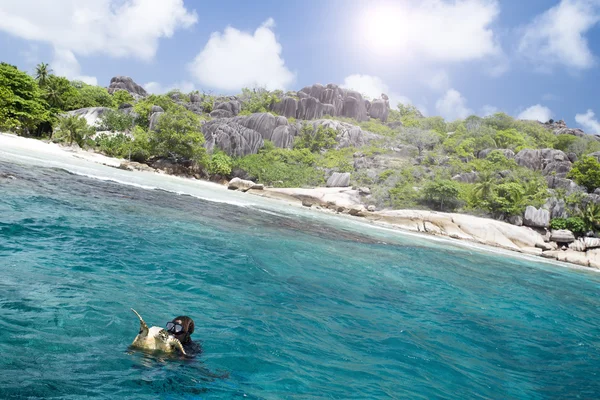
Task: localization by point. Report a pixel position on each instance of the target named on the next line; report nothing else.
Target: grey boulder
(562, 236)
(339, 179)
(127, 84)
(536, 218)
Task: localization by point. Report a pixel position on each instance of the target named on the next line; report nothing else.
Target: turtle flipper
(143, 327)
(179, 346)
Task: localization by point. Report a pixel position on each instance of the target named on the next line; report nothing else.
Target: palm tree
(74, 129)
(42, 71)
(486, 183)
(591, 216)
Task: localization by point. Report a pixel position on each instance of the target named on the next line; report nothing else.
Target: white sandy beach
(457, 229)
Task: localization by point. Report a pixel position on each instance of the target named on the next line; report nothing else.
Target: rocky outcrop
(536, 218)
(338, 179)
(562, 236)
(548, 161)
(561, 128)
(153, 120)
(465, 227)
(245, 135)
(231, 137)
(317, 101)
(231, 106)
(92, 115)
(127, 84)
(555, 182)
(243, 185)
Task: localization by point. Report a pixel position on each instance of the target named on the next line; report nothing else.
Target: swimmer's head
(182, 328)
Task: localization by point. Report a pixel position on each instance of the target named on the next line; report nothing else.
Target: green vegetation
(178, 136)
(22, 106)
(220, 164)
(71, 129)
(586, 172)
(258, 100)
(315, 139)
(116, 121)
(415, 161)
(122, 97)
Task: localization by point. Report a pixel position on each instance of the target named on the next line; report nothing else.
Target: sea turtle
(156, 338)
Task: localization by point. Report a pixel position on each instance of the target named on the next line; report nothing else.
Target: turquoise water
(284, 307)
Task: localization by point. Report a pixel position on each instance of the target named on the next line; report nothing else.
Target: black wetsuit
(192, 349)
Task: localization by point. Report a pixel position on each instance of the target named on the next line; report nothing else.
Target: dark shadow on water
(177, 375)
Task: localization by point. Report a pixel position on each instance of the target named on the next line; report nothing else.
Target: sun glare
(382, 28)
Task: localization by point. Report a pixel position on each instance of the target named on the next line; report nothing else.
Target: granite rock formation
(317, 101)
(126, 83)
(243, 135)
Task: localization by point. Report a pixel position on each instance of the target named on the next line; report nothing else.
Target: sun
(383, 27)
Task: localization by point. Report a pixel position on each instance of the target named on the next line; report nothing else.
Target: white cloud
(432, 31)
(234, 59)
(438, 80)
(453, 106)
(488, 110)
(85, 27)
(157, 88)
(65, 64)
(536, 113)
(372, 87)
(588, 122)
(557, 36)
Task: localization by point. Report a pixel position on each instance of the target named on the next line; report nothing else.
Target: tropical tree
(442, 194)
(42, 72)
(60, 94)
(421, 139)
(122, 97)
(483, 191)
(586, 172)
(178, 136)
(22, 108)
(73, 128)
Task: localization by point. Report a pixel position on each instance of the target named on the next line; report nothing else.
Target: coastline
(468, 231)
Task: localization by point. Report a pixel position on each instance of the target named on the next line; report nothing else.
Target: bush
(257, 100)
(122, 97)
(315, 139)
(586, 172)
(282, 167)
(114, 145)
(575, 224)
(116, 121)
(178, 136)
(73, 128)
(442, 194)
(421, 139)
(339, 160)
(220, 164)
(143, 107)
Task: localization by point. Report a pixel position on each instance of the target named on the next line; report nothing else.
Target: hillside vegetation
(484, 166)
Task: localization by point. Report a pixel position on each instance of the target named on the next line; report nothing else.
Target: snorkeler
(182, 328)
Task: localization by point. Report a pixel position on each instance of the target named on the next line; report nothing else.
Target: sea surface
(286, 306)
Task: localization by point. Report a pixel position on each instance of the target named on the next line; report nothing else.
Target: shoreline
(484, 234)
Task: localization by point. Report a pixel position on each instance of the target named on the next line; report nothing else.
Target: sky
(534, 59)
